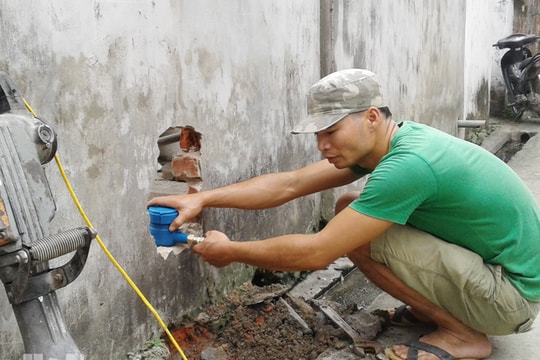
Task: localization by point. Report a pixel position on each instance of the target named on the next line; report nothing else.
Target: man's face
(348, 142)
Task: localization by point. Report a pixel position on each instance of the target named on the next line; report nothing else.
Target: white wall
(477, 62)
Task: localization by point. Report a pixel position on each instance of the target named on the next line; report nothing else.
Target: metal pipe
(471, 123)
(169, 139)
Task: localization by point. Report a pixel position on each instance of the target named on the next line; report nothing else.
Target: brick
(190, 140)
(186, 167)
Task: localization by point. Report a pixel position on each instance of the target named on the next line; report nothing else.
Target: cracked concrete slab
(317, 282)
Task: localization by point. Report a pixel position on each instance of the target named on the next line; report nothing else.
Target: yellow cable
(108, 253)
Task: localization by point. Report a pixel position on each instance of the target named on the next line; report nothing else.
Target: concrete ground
(527, 164)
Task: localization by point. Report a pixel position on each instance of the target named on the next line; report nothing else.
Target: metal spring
(59, 244)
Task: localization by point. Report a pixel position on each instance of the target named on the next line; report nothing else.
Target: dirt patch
(253, 323)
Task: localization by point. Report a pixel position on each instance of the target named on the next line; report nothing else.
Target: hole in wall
(179, 170)
(179, 154)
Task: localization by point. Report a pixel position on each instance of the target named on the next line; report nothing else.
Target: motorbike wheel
(518, 105)
(532, 76)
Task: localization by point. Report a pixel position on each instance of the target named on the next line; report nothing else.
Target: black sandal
(414, 346)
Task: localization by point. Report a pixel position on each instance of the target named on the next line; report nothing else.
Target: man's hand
(188, 207)
(215, 249)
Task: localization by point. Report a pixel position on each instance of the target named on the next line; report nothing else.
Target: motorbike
(521, 73)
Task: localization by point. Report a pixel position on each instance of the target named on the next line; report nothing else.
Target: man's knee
(345, 199)
(361, 256)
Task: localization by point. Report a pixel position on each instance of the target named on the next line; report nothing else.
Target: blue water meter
(160, 219)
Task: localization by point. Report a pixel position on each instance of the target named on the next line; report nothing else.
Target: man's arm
(347, 231)
(260, 192)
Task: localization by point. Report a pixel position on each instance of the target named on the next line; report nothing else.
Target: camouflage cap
(337, 95)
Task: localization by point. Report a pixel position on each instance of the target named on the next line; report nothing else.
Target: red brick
(186, 167)
(190, 140)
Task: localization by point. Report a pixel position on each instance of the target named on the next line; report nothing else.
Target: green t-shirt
(462, 194)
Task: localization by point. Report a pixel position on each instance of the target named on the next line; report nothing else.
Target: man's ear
(374, 115)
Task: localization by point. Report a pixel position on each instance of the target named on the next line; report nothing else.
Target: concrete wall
(477, 62)
(527, 18)
(111, 76)
(416, 48)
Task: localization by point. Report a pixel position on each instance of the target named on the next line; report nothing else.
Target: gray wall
(477, 69)
(111, 76)
(416, 48)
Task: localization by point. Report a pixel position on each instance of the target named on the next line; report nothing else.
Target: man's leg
(451, 335)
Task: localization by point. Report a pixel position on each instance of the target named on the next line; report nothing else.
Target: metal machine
(26, 209)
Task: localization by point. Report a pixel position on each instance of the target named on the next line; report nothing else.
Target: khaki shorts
(455, 279)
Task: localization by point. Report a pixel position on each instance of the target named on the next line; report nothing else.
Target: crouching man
(442, 224)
